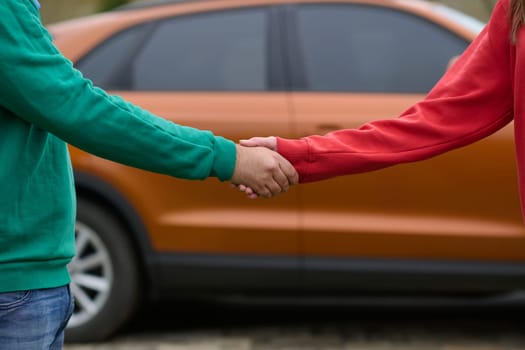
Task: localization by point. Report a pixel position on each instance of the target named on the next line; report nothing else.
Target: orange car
(449, 225)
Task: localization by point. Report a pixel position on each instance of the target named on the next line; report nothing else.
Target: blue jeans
(34, 319)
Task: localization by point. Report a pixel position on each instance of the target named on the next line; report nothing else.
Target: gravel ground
(176, 327)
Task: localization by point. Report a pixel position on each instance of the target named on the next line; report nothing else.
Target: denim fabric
(34, 319)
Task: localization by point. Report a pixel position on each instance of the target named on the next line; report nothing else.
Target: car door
(355, 63)
(216, 71)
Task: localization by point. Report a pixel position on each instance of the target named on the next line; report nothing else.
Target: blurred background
(57, 10)
(330, 323)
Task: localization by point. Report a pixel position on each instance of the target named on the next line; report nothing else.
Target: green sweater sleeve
(41, 86)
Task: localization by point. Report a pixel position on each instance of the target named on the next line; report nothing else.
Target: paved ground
(326, 328)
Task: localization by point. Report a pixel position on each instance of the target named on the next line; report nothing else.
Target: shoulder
(502, 7)
(500, 21)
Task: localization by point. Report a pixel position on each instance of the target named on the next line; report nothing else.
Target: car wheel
(104, 275)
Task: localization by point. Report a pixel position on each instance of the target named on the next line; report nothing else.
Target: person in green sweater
(46, 103)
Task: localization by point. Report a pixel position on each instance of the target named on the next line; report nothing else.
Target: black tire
(116, 292)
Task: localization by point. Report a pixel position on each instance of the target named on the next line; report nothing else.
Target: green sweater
(44, 103)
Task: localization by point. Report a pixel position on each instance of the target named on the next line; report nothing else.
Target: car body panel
(194, 216)
(462, 206)
(410, 210)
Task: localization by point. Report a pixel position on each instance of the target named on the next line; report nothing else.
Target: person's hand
(262, 172)
(269, 142)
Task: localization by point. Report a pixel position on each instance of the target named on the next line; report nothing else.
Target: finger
(274, 187)
(253, 196)
(289, 171)
(265, 192)
(267, 142)
(249, 190)
(250, 142)
(281, 179)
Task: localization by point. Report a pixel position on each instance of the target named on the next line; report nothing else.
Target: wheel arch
(100, 192)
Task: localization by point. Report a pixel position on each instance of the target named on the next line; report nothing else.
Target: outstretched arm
(473, 100)
(40, 87)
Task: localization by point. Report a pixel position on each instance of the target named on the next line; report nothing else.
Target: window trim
(277, 71)
(294, 54)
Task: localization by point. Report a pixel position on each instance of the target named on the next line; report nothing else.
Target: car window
(108, 64)
(220, 51)
(363, 48)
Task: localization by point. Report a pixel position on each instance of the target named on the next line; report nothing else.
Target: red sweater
(479, 95)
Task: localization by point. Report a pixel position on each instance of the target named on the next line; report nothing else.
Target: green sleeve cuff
(224, 160)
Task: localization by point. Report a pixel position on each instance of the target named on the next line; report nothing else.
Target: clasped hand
(260, 171)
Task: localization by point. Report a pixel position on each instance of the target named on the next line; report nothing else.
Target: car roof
(422, 7)
(149, 3)
(141, 4)
(108, 23)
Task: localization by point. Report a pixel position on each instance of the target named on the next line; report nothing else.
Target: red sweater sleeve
(473, 100)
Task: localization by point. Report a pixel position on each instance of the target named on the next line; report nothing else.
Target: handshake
(260, 171)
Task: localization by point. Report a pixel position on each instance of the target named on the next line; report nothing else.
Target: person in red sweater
(482, 92)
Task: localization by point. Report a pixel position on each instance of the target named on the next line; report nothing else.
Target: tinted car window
(107, 65)
(216, 51)
(365, 48)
